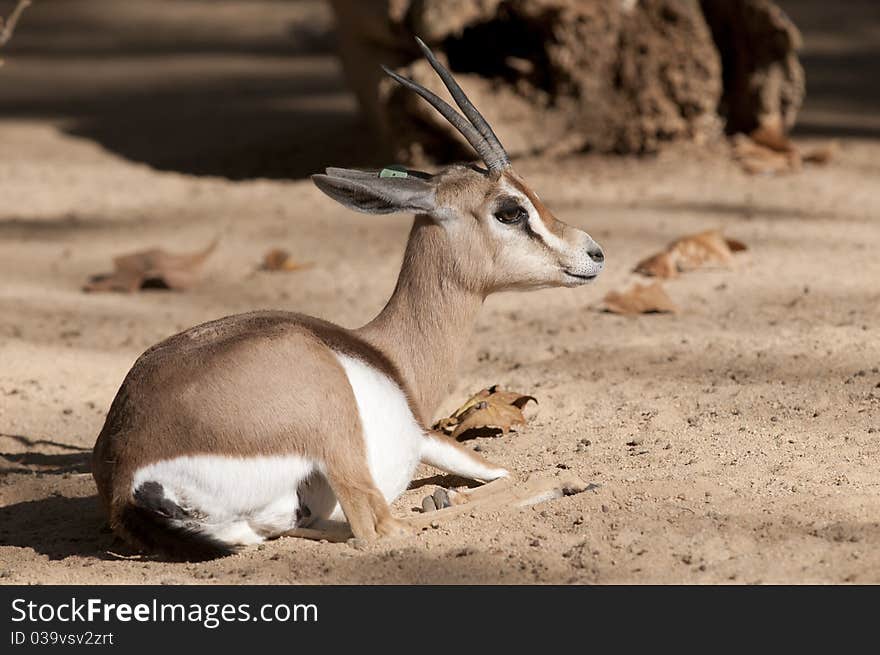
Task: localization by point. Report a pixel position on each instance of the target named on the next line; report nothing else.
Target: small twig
(7, 28)
(136, 556)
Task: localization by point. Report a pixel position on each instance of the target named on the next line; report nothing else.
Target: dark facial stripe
(544, 214)
(512, 203)
(532, 234)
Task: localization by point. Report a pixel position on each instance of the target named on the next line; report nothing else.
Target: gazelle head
(498, 232)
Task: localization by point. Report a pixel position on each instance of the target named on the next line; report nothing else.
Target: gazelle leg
(364, 505)
(498, 495)
(443, 498)
(502, 494)
(448, 455)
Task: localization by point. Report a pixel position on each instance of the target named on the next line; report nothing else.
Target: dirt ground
(754, 413)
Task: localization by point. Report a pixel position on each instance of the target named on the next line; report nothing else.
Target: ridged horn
(472, 125)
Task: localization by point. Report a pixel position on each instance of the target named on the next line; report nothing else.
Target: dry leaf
(640, 299)
(660, 265)
(492, 408)
(760, 159)
(736, 246)
(280, 260)
(152, 268)
(771, 135)
(768, 151)
(689, 253)
(822, 154)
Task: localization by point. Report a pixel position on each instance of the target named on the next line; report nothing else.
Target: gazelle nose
(596, 255)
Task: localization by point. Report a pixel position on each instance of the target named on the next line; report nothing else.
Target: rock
(763, 78)
(555, 76)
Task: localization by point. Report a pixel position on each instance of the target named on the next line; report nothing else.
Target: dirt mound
(562, 76)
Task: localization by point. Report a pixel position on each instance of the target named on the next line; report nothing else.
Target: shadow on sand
(58, 527)
(184, 98)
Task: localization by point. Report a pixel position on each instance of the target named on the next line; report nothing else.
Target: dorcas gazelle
(246, 427)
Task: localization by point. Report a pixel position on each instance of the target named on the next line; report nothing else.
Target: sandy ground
(755, 412)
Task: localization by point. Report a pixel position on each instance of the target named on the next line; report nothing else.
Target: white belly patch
(393, 436)
(238, 500)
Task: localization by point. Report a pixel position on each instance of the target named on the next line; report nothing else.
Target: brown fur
(268, 383)
(429, 317)
(254, 384)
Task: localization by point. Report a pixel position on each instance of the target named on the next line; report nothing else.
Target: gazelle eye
(513, 214)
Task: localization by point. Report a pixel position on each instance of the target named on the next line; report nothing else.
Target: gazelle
(244, 428)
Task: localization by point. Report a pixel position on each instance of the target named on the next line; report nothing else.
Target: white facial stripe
(535, 222)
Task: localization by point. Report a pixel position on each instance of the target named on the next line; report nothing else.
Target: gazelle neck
(428, 320)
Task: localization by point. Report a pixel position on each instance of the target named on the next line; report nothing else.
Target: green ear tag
(395, 170)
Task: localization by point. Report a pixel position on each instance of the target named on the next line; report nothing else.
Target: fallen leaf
(689, 253)
(758, 159)
(736, 246)
(772, 135)
(768, 150)
(640, 299)
(822, 154)
(491, 408)
(660, 265)
(152, 268)
(280, 260)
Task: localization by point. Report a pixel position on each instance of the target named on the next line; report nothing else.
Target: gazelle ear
(373, 193)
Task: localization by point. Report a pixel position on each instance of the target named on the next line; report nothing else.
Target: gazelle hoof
(392, 527)
(440, 499)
